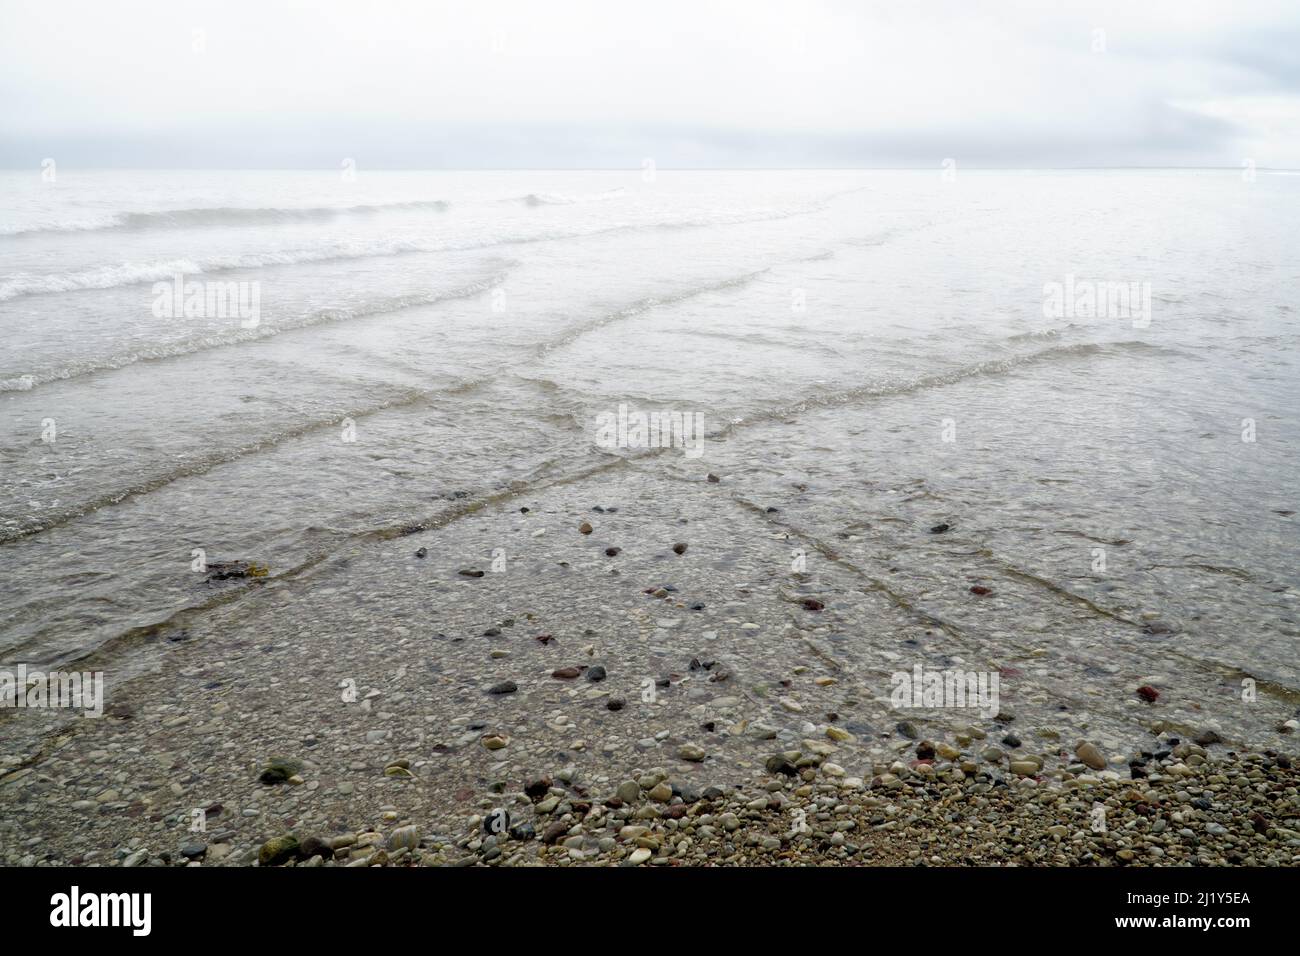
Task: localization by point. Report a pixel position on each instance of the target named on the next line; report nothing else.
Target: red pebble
(1148, 693)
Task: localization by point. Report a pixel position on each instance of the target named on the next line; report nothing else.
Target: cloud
(583, 83)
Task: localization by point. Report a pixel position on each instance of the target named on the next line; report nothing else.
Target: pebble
(660, 793)
(1090, 755)
(277, 851)
(629, 791)
(408, 837)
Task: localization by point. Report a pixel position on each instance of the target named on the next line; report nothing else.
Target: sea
(1076, 385)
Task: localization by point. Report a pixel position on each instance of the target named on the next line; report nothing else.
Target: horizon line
(637, 169)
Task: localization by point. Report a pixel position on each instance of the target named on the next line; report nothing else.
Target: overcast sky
(570, 83)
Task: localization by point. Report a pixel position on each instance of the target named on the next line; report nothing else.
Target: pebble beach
(593, 725)
(384, 575)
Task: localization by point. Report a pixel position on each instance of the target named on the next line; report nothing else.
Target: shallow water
(869, 352)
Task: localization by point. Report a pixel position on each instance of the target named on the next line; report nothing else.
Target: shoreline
(386, 689)
(1177, 806)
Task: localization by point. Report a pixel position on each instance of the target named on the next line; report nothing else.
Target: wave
(226, 216)
(574, 332)
(565, 199)
(206, 462)
(134, 273)
(989, 368)
(767, 340)
(212, 460)
(239, 336)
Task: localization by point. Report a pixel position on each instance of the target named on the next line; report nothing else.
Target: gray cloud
(505, 83)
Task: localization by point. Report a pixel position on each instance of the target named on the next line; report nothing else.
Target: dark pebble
(505, 687)
(279, 770)
(315, 846)
(615, 703)
(524, 831)
(779, 764)
(940, 528)
(596, 673)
